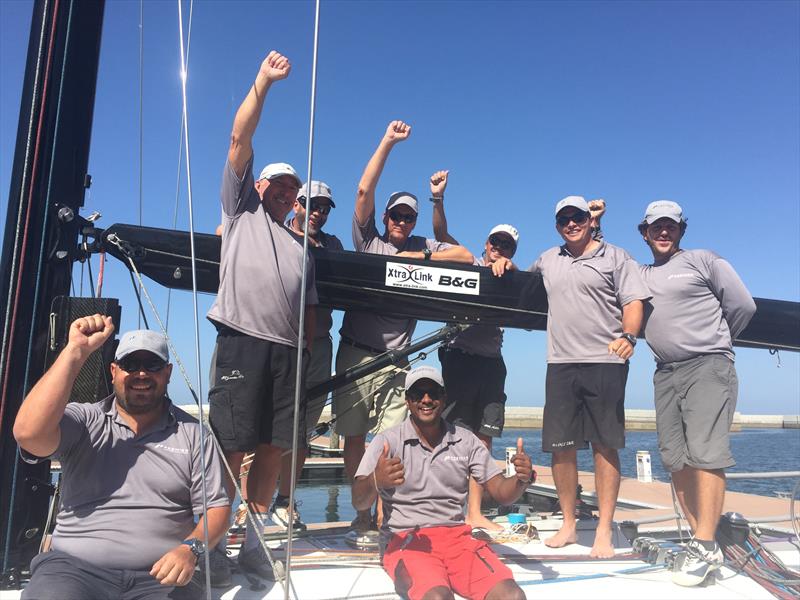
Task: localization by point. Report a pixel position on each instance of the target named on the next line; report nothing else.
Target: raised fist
(397, 131)
(597, 208)
(439, 183)
(87, 334)
(276, 66)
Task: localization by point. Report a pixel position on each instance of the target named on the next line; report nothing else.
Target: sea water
(755, 450)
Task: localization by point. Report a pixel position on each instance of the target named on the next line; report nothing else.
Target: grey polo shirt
(324, 315)
(377, 331)
(436, 479)
(699, 306)
(585, 297)
(260, 269)
(480, 340)
(127, 500)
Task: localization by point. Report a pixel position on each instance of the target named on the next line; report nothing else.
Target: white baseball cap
(273, 170)
(142, 339)
(424, 372)
(508, 230)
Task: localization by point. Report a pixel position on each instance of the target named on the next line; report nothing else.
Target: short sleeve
(364, 234)
(482, 466)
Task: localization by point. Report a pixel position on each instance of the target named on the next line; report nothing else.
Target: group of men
(431, 452)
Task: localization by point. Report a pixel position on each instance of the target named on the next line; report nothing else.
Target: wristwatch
(426, 253)
(197, 547)
(630, 337)
(436, 199)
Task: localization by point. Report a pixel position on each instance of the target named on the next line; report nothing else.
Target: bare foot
(483, 523)
(603, 546)
(566, 535)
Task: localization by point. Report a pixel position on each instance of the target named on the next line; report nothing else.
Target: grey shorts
(695, 400)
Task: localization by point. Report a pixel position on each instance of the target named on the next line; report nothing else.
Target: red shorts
(443, 556)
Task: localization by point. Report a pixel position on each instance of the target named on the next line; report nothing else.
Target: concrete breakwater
(530, 417)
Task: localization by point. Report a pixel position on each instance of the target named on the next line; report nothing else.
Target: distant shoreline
(530, 417)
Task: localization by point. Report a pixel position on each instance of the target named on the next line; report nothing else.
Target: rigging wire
(180, 156)
(184, 75)
(141, 110)
(300, 332)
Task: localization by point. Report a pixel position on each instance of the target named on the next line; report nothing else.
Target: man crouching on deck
(421, 468)
(131, 483)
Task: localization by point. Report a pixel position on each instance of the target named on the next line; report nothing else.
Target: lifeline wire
(194, 301)
(299, 370)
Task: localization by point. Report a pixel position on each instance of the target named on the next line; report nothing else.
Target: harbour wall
(530, 417)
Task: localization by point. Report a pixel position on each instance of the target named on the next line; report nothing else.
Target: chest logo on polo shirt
(679, 275)
(434, 279)
(172, 449)
(464, 458)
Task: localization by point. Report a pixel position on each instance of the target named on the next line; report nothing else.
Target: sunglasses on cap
(134, 365)
(322, 209)
(501, 242)
(415, 394)
(578, 218)
(399, 217)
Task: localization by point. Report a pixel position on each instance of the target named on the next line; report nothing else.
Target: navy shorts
(475, 387)
(57, 575)
(252, 399)
(584, 403)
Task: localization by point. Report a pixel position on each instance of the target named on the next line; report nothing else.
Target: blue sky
(524, 103)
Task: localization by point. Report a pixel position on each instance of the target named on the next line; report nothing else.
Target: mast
(41, 240)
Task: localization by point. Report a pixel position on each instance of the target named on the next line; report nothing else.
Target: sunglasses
(399, 217)
(578, 218)
(132, 365)
(415, 394)
(322, 209)
(501, 242)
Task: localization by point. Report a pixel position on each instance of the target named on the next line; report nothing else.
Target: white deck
(542, 572)
(325, 568)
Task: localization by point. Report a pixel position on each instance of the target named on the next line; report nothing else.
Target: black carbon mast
(40, 244)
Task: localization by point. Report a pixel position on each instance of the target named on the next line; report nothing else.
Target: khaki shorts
(319, 370)
(372, 403)
(695, 400)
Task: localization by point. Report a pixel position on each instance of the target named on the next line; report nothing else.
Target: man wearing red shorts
(421, 469)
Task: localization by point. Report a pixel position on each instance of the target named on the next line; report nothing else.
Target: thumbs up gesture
(389, 472)
(522, 464)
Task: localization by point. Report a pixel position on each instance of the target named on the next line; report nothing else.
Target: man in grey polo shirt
(319, 365)
(420, 469)
(595, 295)
(257, 313)
(131, 480)
(699, 306)
(375, 402)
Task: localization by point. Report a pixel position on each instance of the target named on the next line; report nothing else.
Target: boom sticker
(418, 277)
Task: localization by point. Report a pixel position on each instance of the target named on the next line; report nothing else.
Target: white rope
(184, 75)
(299, 368)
